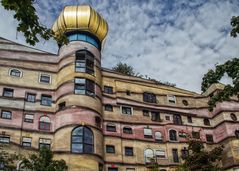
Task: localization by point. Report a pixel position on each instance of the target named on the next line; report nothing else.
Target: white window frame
(171, 99)
(9, 73)
(148, 134)
(2, 139)
(160, 151)
(44, 74)
(30, 116)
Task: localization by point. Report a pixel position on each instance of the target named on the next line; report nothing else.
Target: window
(46, 143)
(128, 93)
(206, 121)
(84, 62)
(7, 92)
(149, 97)
(167, 118)
(175, 155)
(15, 73)
(110, 128)
(127, 130)
(31, 97)
(126, 110)
(108, 107)
(62, 105)
(155, 116)
(46, 100)
(108, 89)
(112, 169)
(128, 151)
(145, 113)
(148, 133)
(171, 99)
(26, 142)
(158, 136)
(44, 78)
(6, 114)
(209, 138)
(233, 117)
(184, 152)
(4, 139)
(189, 119)
(130, 169)
(148, 155)
(237, 133)
(84, 86)
(98, 121)
(196, 135)
(44, 123)
(110, 149)
(160, 153)
(177, 119)
(173, 135)
(185, 102)
(82, 140)
(28, 118)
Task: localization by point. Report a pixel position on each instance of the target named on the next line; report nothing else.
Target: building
(96, 119)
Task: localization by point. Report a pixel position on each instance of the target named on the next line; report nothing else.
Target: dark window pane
(46, 100)
(7, 92)
(206, 121)
(175, 155)
(190, 119)
(77, 148)
(127, 110)
(155, 116)
(129, 151)
(173, 135)
(149, 97)
(108, 107)
(127, 130)
(45, 78)
(111, 128)
(177, 119)
(209, 138)
(110, 149)
(15, 73)
(31, 97)
(145, 113)
(108, 89)
(88, 148)
(196, 135)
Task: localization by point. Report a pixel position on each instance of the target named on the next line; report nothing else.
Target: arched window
(82, 140)
(158, 136)
(177, 119)
(127, 130)
(44, 123)
(15, 73)
(148, 155)
(173, 135)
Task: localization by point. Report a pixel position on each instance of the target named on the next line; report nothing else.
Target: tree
(29, 25)
(124, 69)
(43, 162)
(231, 68)
(200, 159)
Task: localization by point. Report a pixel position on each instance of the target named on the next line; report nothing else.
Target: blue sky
(170, 40)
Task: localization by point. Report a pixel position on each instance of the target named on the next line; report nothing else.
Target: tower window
(84, 62)
(84, 86)
(149, 97)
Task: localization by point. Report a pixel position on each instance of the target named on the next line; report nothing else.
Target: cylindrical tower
(78, 137)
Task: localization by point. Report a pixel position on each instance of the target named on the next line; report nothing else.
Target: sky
(175, 41)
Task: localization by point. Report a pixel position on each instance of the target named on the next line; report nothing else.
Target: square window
(28, 118)
(126, 110)
(31, 97)
(7, 92)
(46, 100)
(111, 128)
(129, 151)
(209, 138)
(110, 149)
(4, 139)
(26, 142)
(44, 78)
(145, 113)
(6, 114)
(108, 89)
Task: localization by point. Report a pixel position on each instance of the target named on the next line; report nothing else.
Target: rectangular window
(190, 119)
(126, 110)
(175, 156)
(26, 142)
(31, 97)
(108, 89)
(46, 100)
(28, 118)
(6, 114)
(7, 92)
(4, 139)
(145, 112)
(149, 97)
(108, 107)
(44, 78)
(155, 116)
(110, 149)
(111, 128)
(160, 153)
(84, 86)
(171, 99)
(84, 62)
(112, 169)
(61, 105)
(196, 135)
(148, 133)
(129, 151)
(209, 138)
(44, 143)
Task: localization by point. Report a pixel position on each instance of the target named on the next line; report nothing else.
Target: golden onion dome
(82, 18)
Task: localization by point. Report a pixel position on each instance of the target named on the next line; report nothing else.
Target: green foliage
(200, 159)
(231, 68)
(29, 25)
(235, 26)
(43, 162)
(8, 160)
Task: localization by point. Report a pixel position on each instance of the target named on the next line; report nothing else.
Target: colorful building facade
(97, 119)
